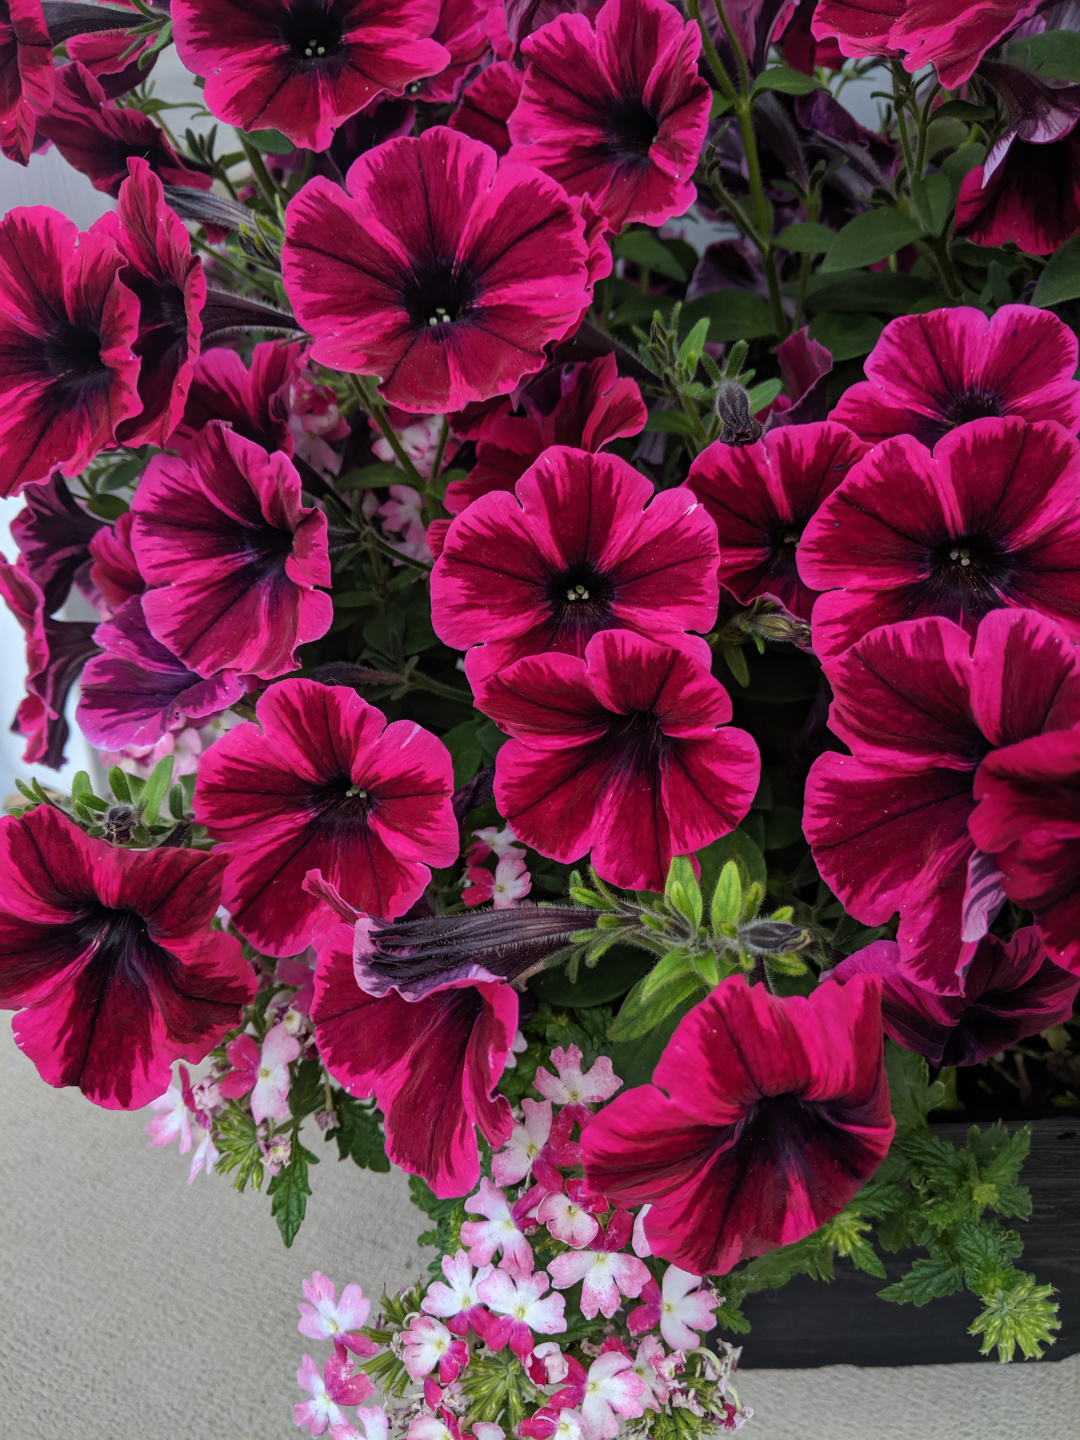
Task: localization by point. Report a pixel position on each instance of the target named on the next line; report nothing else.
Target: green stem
(764, 218)
(736, 49)
(716, 65)
(376, 542)
(444, 436)
(436, 687)
(376, 409)
(262, 177)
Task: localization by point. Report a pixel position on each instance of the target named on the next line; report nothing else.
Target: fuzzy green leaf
(929, 1278)
(358, 1133)
(1021, 1315)
(155, 790)
(637, 1016)
(289, 1190)
(910, 1092)
(869, 238)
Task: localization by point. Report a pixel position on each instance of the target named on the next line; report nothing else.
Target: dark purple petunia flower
(99, 139)
(109, 957)
(113, 571)
(304, 66)
(252, 399)
(68, 324)
(53, 534)
(56, 651)
(1026, 195)
(171, 287)
(486, 106)
(137, 691)
(1028, 818)
(1011, 990)
(762, 497)
(230, 556)
(26, 75)
(989, 520)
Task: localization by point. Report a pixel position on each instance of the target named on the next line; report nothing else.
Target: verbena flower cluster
(557, 435)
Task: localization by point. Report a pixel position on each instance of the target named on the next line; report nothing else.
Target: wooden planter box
(808, 1323)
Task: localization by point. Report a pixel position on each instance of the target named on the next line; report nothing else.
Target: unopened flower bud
(733, 407)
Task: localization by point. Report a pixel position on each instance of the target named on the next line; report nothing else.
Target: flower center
(967, 574)
(631, 128)
(579, 599)
(312, 31)
(74, 355)
(438, 292)
(340, 806)
(264, 1073)
(957, 408)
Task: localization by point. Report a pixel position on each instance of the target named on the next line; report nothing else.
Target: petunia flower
(324, 1317)
(26, 65)
(514, 1161)
(1025, 194)
(461, 29)
(432, 1064)
(1010, 990)
(322, 782)
(337, 1386)
(605, 1274)
(613, 1388)
(679, 1307)
(231, 556)
(522, 1308)
(445, 313)
(583, 545)
(991, 518)
(496, 1232)
(137, 691)
(921, 705)
(762, 496)
(457, 1302)
(576, 1090)
(626, 752)
(595, 406)
(114, 574)
(929, 373)
(171, 287)
(171, 1120)
(53, 534)
(1028, 818)
(262, 1072)
(615, 109)
(254, 400)
(98, 138)
(486, 105)
(764, 1118)
(109, 957)
(68, 325)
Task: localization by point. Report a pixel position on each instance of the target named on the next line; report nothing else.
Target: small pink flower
(339, 1387)
(551, 1424)
(402, 513)
(328, 1318)
(524, 1308)
(640, 1241)
(457, 1302)
(171, 1120)
(206, 1155)
(419, 437)
(573, 1088)
(492, 841)
(613, 1388)
(556, 1367)
(676, 1307)
(570, 1217)
(497, 1232)
(606, 1274)
(648, 1364)
(276, 1153)
(429, 1344)
(431, 1427)
(265, 1073)
(514, 1161)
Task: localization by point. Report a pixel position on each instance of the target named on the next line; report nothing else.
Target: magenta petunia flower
(53, 534)
(595, 407)
(111, 953)
(920, 705)
(432, 1064)
(68, 325)
(626, 752)
(860, 27)
(26, 75)
(487, 104)
(304, 66)
(171, 288)
(619, 112)
(1025, 194)
(1011, 990)
(1028, 818)
(991, 519)
(56, 651)
(762, 496)
(253, 400)
(584, 544)
(99, 139)
(137, 691)
(323, 783)
(929, 373)
(230, 556)
(463, 32)
(764, 1118)
(113, 571)
(448, 304)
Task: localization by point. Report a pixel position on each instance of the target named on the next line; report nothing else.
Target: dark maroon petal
(53, 535)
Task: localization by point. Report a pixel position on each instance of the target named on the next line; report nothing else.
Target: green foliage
(236, 1137)
(447, 1215)
(358, 1133)
(289, 1190)
(307, 1090)
(869, 238)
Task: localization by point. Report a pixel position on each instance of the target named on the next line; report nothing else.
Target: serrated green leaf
(358, 1133)
(869, 238)
(986, 1252)
(1021, 1314)
(307, 1092)
(289, 1190)
(910, 1092)
(155, 790)
(929, 1278)
(787, 81)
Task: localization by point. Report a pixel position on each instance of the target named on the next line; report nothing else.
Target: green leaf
(1060, 281)
(737, 846)
(682, 891)
(107, 507)
(637, 1017)
(732, 315)
(641, 247)
(358, 1133)
(1055, 54)
(963, 160)
(289, 1190)
(370, 477)
(910, 1092)
(618, 972)
(669, 422)
(735, 660)
(465, 751)
(270, 142)
(986, 1252)
(966, 111)
(869, 238)
(932, 198)
(929, 1278)
(155, 790)
(783, 826)
(674, 966)
(691, 348)
(758, 396)
(727, 897)
(306, 1093)
(1021, 1315)
(846, 336)
(786, 80)
(806, 238)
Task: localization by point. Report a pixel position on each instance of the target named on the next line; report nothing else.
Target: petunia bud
(733, 408)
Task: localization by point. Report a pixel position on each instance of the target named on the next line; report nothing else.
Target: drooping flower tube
(764, 1118)
(109, 957)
